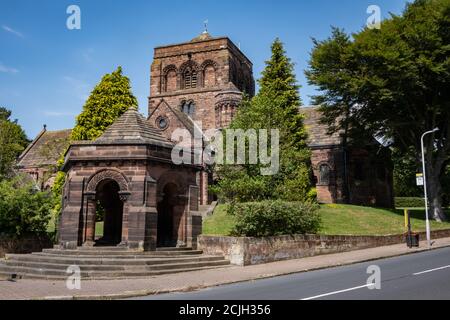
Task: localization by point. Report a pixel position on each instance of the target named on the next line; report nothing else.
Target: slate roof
(132, 128)
(318, 132)
(45, 149)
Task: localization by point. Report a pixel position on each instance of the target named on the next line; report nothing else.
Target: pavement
(422, 276)
(196, 280)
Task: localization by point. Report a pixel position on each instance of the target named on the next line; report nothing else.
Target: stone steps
(69, 260)
(110, 256)
(121, 253)
(107, 263)
(30, 273)
(174, 249)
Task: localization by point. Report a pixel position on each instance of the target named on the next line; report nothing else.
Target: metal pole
(425, 186)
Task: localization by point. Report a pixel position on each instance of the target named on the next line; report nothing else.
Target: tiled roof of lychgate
(45, 149)
(132, 128)
(317, 131)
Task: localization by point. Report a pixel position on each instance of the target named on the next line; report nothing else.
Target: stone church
(148, 201)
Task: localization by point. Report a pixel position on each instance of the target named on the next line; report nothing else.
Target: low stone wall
(250, 251)
(25, 245)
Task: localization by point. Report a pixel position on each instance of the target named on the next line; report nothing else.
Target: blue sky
(47, 71)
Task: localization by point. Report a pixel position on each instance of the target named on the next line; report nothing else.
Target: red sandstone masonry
(251, 251)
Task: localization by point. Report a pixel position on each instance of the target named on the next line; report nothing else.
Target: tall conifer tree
(276, 106)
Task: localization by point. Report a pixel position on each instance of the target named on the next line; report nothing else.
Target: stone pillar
(125, 218)
(194, 218)
(151, 229)
(194, 229)
(89, 227)
(151, 215)
(141, 217)
(204, 198)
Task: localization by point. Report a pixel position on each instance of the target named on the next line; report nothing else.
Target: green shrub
(274, 218)
(241, 188)
(409, 202)
(23, 209)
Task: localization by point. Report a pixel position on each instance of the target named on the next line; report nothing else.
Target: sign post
(406, 219)
(425, 184)
(419, 179)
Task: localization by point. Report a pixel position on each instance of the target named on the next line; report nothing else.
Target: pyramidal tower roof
(132, 128)
(202, 37)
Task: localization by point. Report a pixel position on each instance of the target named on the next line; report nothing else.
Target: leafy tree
(107, 102)
(392, 83)
(446, 186)
(405, 169)
(276, 106)
(5, 114)
(12, 142)
(23, 209)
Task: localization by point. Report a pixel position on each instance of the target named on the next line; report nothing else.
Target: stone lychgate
(127, 177)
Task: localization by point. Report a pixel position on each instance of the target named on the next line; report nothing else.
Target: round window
(162, 123)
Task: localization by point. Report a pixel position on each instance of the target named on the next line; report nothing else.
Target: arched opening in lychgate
(109, 214)
(169, 219)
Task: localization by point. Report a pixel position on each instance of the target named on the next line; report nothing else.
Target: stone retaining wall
(250, 251)
(25, 245)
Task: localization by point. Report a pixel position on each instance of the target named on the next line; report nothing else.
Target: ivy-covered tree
(12, 142)
(111, 97)
(393, 82)
(276, 106)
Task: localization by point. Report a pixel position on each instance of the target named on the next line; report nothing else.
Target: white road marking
(337, 292)
(431, 270)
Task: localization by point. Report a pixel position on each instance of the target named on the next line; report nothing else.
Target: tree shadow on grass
(415, 213)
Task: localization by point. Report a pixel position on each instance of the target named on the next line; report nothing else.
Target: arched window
(208, 69)
(190, 79)
(169, 78)
(324, 174)
(209, 76)
(188, 107)
(171, 81)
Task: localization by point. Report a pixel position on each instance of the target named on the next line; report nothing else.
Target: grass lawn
(99, 229)
(355, 220)
(220, 223)
(341, 220)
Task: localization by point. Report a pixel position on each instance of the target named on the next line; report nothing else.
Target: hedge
(274, 218)
(409, 202)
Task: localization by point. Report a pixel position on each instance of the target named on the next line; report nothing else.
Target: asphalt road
(423, 275)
